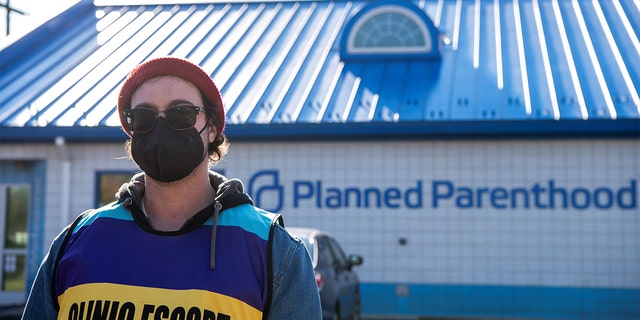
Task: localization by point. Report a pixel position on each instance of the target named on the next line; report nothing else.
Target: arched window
(390, 30)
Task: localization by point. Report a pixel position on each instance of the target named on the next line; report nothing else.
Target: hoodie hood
(229, 193)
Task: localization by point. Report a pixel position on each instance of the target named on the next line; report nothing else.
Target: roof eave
(515, 129)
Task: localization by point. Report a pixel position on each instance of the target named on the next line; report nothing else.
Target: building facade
(482, 156)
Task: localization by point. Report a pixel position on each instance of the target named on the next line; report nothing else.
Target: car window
(325, 255)
(338, 253)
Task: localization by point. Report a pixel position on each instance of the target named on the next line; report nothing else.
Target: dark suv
(337, 281)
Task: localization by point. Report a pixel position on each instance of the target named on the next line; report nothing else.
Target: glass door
(14, 212)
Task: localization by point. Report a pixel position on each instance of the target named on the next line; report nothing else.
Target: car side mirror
(355, 260)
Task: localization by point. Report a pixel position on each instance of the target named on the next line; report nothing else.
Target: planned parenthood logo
(269, 193)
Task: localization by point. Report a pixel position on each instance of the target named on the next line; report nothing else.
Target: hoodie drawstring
(216, 211)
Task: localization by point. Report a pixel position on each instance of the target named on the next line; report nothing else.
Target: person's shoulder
(285, 236)
(250, 218)
(112, 210)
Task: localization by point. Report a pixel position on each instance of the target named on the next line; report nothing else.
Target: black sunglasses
(143, 120)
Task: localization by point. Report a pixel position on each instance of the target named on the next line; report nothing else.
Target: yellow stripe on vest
(113, 301)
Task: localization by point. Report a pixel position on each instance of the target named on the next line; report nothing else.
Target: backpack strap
(277, 220)
(59, 256)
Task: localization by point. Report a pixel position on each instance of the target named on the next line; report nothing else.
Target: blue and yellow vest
(110, 268)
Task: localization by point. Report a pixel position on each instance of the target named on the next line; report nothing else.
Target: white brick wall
(561, 247)
(564, 247)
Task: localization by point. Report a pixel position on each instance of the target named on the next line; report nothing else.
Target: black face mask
(166, 154)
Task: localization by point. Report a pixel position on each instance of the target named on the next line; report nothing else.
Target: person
(180, 241)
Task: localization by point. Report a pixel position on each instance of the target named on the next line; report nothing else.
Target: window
(13, 224)
(325, 256)
(108, 183)
(341, 259)
(390, 30)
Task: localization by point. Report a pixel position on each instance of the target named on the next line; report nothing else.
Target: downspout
(65, 183)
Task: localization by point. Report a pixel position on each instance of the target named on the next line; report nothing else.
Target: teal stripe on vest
(113, 210)
(258, 223)
(241, 216)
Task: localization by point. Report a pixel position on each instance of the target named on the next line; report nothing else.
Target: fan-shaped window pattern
(388, 30)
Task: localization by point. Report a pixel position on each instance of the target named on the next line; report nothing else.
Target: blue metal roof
(504, 67)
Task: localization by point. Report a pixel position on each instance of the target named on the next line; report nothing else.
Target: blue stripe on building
(491, 301)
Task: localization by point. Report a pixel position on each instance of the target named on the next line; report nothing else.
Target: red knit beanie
(171, 66)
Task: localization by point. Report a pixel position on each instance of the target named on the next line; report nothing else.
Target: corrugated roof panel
(575, 52)
(625, 95)
(461, 94)
(626, 36)
(103, 79)
(322, 90)
(27, 81)
(601, 56)
(487, 56)
(305, 103)
(414, 104)
(393, 88)
(207, 33)
(297, 50)
(362, 93)
(630, 21)
(263, 62)
(342, 93)
(394, 83)
(279, 62)
(227, 57)
(439, 99)
(569, 99)
(539, 79)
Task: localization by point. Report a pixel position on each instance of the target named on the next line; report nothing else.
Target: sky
(36, 13)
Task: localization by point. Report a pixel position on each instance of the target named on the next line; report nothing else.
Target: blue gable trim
(621, 128)
(71, 134)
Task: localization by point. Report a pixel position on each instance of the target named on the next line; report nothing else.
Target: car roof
(308, 233)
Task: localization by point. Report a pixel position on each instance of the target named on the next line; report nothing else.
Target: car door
(330, 288)
(346, 279)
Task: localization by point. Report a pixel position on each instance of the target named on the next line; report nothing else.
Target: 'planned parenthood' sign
(539, 195)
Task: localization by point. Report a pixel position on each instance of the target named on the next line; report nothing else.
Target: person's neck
(170, 205)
